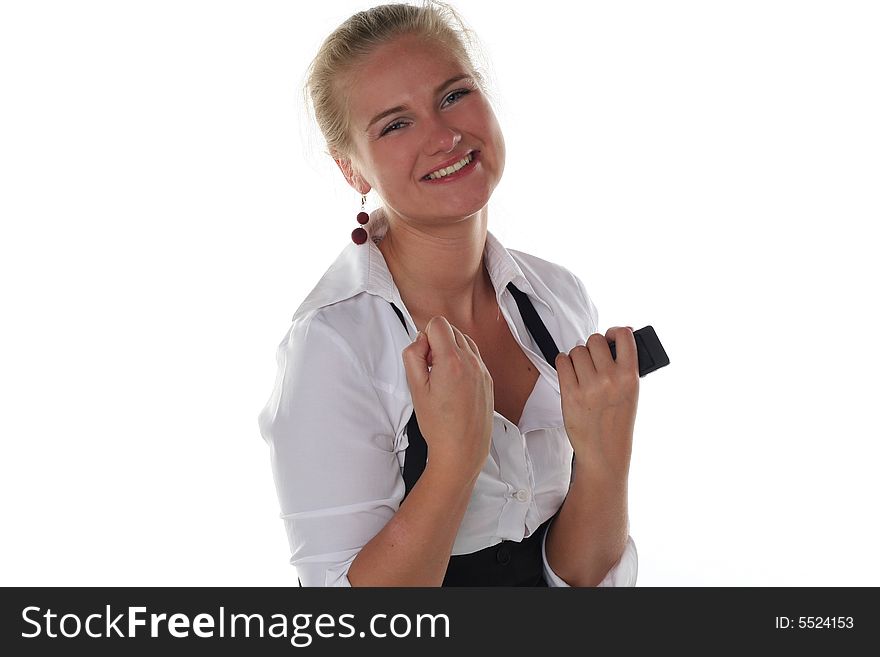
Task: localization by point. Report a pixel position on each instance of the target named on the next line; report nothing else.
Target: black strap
(417, 451)
(535, 325)
(416, 454)
(400, 317)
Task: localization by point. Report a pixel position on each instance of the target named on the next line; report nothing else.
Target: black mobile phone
(652, 355)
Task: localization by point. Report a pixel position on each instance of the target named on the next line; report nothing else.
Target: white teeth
(451, 169)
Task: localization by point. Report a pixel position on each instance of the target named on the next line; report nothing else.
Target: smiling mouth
(465, 162)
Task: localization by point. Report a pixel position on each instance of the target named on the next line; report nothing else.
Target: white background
(709, 168)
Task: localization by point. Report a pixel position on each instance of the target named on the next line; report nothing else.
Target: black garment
(509, 563)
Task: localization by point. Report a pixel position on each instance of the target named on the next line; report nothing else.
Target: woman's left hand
(599, 399)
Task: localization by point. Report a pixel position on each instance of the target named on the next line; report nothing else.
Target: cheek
(502, 149)
(383, 166)
(391, 173)
(497, 146)
(492, 131)
(392, 155)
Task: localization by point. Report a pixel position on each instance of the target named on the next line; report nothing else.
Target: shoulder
(364, 327)
(559, 286)
(356, 319)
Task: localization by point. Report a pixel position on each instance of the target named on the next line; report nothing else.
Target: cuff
(325, 570)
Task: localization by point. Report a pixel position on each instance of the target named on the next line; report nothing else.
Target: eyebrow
(402, 108)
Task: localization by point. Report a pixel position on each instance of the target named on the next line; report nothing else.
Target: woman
(434, 386)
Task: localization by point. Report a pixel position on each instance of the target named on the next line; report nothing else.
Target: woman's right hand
(454, 401)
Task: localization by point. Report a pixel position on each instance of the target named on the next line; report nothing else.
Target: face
(436, 120)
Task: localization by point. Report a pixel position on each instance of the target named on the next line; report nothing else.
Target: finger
(582, 363)
(473, 345)
(441, 337)
(459, 338)
(600, 352)
(565, 371)
(624, 345)
(415, 362)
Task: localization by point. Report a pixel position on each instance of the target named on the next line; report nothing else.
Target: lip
(450, 162)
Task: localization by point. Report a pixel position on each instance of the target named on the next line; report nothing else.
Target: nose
(443, 138)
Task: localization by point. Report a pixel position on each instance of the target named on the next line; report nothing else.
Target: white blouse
(336, 420)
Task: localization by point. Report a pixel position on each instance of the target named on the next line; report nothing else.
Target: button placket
(518, 475)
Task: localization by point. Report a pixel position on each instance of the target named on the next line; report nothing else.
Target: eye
(389, 127)
(463, 92)
(455, 95)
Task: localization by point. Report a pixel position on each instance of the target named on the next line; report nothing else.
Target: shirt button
(521, 495)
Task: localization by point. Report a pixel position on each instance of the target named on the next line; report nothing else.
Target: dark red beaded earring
(359, 235)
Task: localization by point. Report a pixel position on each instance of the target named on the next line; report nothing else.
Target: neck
(441, 272)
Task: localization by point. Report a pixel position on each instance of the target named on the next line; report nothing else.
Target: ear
(353, 177)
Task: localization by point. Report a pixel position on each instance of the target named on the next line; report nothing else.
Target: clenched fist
(453, 396)
(599, 399)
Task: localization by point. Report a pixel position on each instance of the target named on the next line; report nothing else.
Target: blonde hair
(363, 33)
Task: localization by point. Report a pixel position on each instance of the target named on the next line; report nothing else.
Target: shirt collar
(362, 268)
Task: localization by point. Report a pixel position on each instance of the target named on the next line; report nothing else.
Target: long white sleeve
(331, 449)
